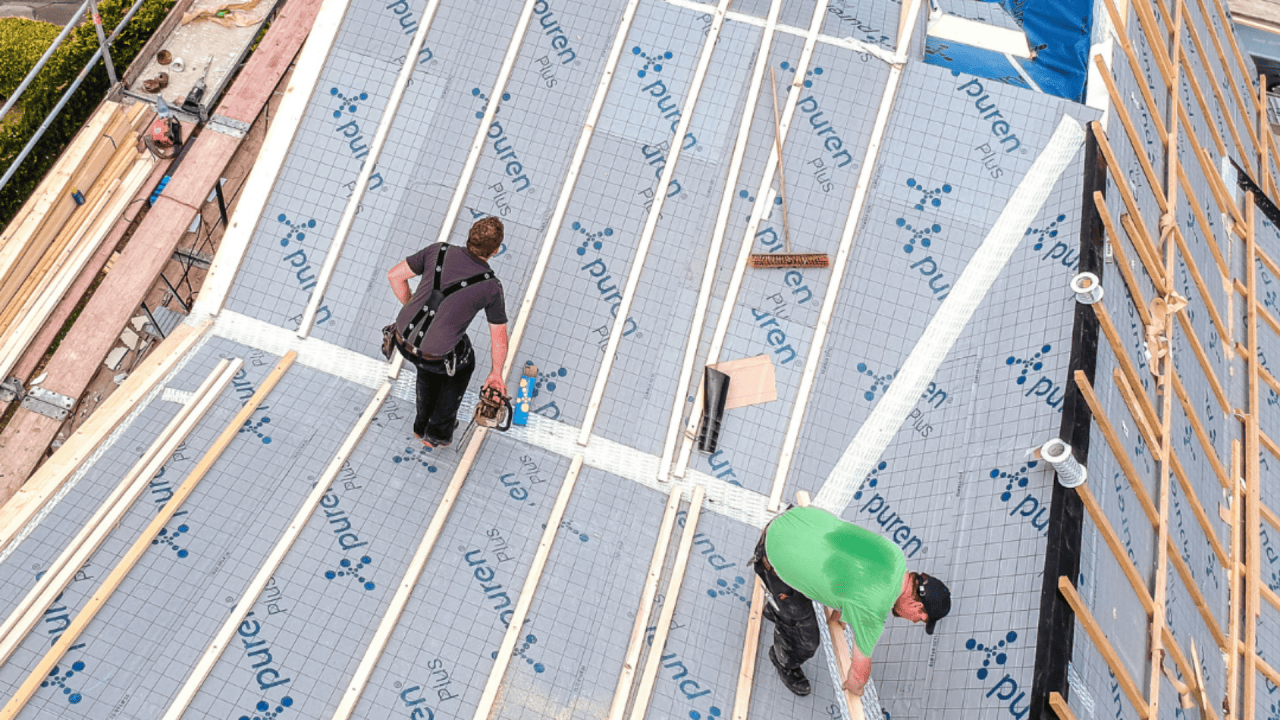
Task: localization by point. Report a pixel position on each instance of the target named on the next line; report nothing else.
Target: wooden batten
(1100, 641)
(1117, 447)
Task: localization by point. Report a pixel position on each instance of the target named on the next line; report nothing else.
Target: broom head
(790, 260)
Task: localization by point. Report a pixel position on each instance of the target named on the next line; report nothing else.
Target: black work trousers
(795, 625)
(440, 392)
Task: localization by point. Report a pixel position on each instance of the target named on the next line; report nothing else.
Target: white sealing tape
(1087, 287)
(1070, 472)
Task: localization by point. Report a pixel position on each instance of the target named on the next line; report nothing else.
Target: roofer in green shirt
(808, 554)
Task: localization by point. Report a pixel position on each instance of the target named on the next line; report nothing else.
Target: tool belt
(409, 341)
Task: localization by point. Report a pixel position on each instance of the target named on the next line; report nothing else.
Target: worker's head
(925, 599)
(485, 238)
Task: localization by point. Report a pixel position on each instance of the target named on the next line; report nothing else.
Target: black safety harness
(421, 322)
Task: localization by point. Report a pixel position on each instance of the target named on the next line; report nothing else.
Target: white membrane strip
(945, 326)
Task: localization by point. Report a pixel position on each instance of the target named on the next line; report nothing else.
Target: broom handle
(777, 144)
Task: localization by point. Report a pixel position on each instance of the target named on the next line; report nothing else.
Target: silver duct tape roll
(1087, 287)
(1058, 454)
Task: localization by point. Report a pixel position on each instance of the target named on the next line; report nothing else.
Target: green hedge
(43, 94)
(22, 42)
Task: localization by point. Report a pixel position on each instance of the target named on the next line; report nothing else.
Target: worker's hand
(857, 691)
(833, 615)
(496, 382)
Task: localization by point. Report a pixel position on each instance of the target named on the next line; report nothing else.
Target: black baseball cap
(936, 598)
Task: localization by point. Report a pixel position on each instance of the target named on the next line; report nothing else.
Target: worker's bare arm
(399, 276)
(498, 353)
(859, 670)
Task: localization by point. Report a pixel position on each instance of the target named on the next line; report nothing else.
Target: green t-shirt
(840, 565)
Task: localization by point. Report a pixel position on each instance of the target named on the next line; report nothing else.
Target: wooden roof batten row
(1137, 250)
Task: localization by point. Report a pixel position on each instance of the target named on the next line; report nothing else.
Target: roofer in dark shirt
(437, 344)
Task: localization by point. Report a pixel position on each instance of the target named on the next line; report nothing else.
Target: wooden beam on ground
(1100, 641)
(515, 628)
(27, 502)
(654, 659)
(122, 568)
(29, 611)
(750, 648)
(226, 634)
(654, 576)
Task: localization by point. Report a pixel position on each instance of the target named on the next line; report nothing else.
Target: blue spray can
(524, 394)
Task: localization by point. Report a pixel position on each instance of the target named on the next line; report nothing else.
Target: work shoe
(794, 679)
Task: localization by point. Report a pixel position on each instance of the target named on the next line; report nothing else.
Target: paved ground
(57, 12)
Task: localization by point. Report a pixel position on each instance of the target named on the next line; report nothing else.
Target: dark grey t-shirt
(457, 310)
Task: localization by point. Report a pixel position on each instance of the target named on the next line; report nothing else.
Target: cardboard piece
(751, 381)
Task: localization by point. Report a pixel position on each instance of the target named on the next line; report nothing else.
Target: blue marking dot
(583, 537)
(75, 698)
(282, 217)
(539, 667)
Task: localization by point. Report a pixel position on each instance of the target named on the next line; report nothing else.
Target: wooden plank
(1122, 257)
(750, 648)
(672, 594)
(1216, 185)
(1159, 51)
(1090, 626)
(269, 61)
(24, 440)
(1117, 547)
(1206, 612)
(1153, 111)
(1216, 84)
(1153, 438)
(1197, 426)
(157, 40)
(1253, 466)
(1118, 450)
(24, 504)
(359, 679)
(1135, 141)
(1196, 92)
(1203, 358)
(1056, 701)
(710, 267)
(636, 643)
(1145, 408)
(1198, 510)
(18, 246)
(118, 573)
(1234, 610)
(1198, 279)
(840, 648)
(226, 634)
(515, 628)
(35, 210)
(1147, 258)
(1142, 239)
(30, 610)
(53, 285)
(27, 363)
(1203, 221)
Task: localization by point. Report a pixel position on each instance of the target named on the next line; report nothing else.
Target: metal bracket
(193, 258)
(48, 403)
(11, 389)
(228, 126)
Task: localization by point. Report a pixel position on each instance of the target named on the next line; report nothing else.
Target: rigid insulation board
(956, 489)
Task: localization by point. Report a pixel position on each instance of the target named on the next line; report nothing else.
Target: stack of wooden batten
(48, 243)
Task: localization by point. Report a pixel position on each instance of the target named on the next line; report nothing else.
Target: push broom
(788, 259)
